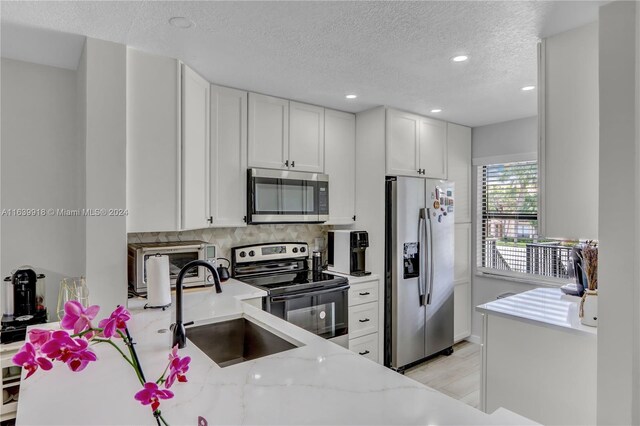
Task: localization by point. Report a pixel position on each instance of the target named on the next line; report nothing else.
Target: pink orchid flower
(73, 352)
(39, 337)
(151, 394)
(177, 370)
(27, 359)
(116, 321)
(174, 353)
(76, 317)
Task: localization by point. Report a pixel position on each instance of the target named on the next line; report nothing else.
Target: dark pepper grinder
(316, 262)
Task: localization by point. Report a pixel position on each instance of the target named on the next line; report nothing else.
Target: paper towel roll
(158, 281)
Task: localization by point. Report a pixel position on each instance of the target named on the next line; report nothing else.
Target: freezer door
(439, 258)
(408, 314)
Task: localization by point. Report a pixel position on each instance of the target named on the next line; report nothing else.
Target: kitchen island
(538, 359)
(316, 383)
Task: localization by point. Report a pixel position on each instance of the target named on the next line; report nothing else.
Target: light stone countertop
(316, 383)
(544, 306)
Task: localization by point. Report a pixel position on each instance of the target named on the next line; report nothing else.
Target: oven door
(323, 312)
(275, 196)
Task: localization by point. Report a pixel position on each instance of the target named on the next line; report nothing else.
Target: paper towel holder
(163, 307)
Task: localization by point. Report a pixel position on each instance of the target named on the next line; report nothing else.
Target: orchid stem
(118, 349)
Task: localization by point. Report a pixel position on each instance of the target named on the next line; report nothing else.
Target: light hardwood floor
(457, 375)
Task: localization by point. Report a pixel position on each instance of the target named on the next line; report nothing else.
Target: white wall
(41, 167)
(618, 344)
(515, 140)
(104, 67)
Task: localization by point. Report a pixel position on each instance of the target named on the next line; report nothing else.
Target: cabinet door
(306, 137)
(433, 148)
(462, 253)
(340, 165)
(228, 157)
(153, 143)
(459, 168)
(268, 132)
(461, 311)
(402, 143)
(195, 141)
(462, 281)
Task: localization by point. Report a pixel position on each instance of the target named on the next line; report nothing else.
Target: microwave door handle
(421, 257)
(308, 293)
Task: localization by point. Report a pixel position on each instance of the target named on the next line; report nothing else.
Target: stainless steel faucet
(179, 332)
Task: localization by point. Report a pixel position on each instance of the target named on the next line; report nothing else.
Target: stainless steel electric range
(315, 301)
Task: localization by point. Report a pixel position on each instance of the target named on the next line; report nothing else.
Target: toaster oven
(179, 253)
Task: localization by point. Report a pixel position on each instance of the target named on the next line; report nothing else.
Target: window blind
(508, 215)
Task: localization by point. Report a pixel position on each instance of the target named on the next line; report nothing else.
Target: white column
(104, 124)
(618, 335)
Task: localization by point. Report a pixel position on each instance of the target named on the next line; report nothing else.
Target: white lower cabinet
(462, 282)
(367, 346)
(365, 326)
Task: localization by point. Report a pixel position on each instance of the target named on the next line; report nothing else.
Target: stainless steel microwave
(281, 196)
(180, 253)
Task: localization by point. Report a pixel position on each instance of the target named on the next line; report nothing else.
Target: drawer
(363, 293)
(363, 319)
(367, 346)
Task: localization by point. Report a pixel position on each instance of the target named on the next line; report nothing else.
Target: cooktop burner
(291, 282)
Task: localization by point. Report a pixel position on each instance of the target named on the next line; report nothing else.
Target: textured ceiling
(389, 53)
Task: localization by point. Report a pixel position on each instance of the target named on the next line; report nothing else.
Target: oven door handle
(309, 293)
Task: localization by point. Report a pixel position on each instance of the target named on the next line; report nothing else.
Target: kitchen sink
(235, 341)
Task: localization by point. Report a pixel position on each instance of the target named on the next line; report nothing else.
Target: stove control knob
(302, 249)
(252, 253)
(243, 254)
(295, 249)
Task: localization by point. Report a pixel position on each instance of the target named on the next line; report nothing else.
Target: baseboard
(475, 339)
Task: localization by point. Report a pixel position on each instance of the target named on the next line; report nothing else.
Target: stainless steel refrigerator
(418, 270)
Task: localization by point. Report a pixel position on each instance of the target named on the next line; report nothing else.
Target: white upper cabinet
(433, 148)
(459, 169)
(195, 147)
(268, 132)
(415, 145)
(153, 142)
(306, 137)
(402, 143)
(228, 157)
(568, 153)
(340, 160)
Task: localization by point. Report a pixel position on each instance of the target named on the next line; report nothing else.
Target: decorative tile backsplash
(225, 238)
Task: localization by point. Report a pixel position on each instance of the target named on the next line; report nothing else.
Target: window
(508, 242)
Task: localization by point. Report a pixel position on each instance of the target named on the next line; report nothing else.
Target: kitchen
(125, 111)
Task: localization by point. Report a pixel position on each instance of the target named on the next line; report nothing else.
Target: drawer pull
(364, 320)
(364, 353)
(366, 293)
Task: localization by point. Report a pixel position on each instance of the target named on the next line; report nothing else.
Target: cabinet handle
(364, 320)
(286, 163)
(364, 353)
(366, 293)
(210, 219)
(293, 163)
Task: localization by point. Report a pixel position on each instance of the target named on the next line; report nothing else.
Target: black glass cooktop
(290, 282)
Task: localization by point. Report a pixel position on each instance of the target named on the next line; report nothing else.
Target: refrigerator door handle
(422, 247)
(429, 239)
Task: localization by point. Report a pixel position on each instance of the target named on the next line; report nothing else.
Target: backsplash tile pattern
(225, 238)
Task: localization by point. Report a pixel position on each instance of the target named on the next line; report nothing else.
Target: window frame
(482, 216)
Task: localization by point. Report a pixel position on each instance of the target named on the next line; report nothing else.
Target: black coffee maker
(24, 303)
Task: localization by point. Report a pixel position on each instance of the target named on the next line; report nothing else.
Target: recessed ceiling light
(352, 96)
(527, 88)
(181, 22)
(436, 110)
(460, 58)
